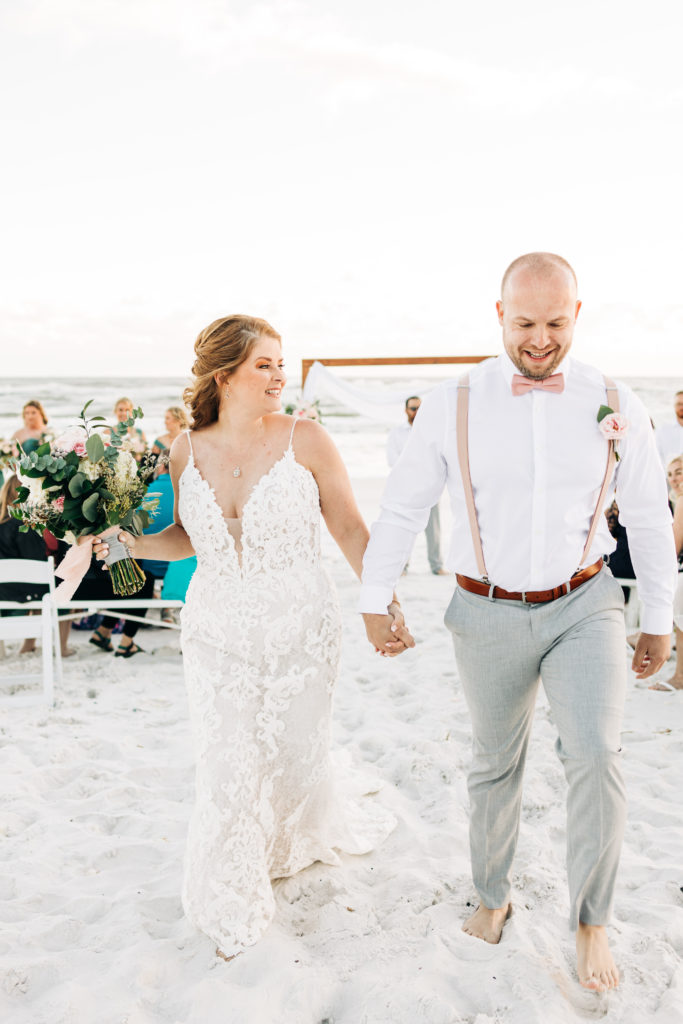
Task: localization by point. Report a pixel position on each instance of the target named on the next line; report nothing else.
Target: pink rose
(80, 449)
(69, 441)
(614, 426)
(58, 503)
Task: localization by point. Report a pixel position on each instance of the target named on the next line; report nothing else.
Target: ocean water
(360, 440)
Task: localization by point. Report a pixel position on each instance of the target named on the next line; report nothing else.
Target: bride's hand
(101, 547)
(399, 628)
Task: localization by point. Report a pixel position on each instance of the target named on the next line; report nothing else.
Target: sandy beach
(96, 795)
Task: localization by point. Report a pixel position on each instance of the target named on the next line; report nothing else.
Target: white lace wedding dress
(261, 641)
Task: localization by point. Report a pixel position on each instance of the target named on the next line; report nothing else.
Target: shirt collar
(508, 368)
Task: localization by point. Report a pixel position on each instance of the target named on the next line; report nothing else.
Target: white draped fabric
(387, 406)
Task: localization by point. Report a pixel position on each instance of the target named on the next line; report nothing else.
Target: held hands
(652, 651)
(388, 633)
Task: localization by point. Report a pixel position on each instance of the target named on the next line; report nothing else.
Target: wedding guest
(96, 584)
(33, 431)
(620, 559)
(14, 544)
(396, 442)
(669, 437)
(175, 421)
(674, 474)
(123, 410)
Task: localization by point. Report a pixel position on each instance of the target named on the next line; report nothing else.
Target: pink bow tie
(520, 384)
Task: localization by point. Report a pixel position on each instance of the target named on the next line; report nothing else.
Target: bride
(261, 633)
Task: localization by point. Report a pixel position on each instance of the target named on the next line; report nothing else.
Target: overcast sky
(359, 172)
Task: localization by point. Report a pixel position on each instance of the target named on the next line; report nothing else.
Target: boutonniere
(613, 426)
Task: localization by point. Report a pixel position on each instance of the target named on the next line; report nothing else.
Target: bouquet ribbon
(74, 565)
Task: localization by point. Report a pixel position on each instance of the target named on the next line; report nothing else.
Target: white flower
(126, 469)
(37, 496)
(89, 469)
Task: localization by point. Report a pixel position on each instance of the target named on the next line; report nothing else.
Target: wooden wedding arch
(306, 364)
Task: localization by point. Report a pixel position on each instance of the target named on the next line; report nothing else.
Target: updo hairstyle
(179, 415)
(220, 348)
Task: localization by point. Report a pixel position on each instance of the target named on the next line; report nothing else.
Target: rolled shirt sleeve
(415, 484)
(644, 512)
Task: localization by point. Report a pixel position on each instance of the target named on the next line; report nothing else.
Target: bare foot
(67, 652)
(675, 683)
(487, 924)
(597, 970)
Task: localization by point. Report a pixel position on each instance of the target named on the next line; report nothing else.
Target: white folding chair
(41, 625)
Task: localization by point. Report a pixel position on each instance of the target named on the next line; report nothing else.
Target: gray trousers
(576, 646)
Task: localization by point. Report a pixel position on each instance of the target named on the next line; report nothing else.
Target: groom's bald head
(538, 264)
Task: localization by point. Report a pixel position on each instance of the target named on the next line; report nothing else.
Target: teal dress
(176, 575)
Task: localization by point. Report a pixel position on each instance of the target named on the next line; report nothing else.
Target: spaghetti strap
(189, 441)
(289, 446)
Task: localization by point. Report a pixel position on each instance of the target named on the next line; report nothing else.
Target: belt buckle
(524, 600)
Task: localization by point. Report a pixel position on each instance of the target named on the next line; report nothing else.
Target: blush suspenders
(461, 419)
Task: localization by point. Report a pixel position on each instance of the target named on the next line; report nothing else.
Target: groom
(529, 471)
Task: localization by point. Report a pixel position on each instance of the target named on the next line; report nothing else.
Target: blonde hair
(8, 495)
(122, 401)
(36, 405)
(180, 415)
(219, 349)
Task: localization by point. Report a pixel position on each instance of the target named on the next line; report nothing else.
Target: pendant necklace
(237, 471)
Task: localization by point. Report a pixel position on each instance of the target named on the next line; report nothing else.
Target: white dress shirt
(396, 442)
(669, 440)
(537, 462)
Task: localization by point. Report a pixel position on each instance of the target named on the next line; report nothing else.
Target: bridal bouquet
(87, 482)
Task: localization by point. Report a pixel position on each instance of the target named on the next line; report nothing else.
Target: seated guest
(14, 544)
(674, 473)
(96, 584)
(674, 476)
(33, 432)
(619, 559)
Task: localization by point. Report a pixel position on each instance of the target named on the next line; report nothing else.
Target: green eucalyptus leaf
(43, 449)
(94, 447)
(89, 507)
(603, 411)
(77, 484)
(85, 407)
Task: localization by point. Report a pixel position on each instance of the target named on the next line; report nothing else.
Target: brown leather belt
(529, 596)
